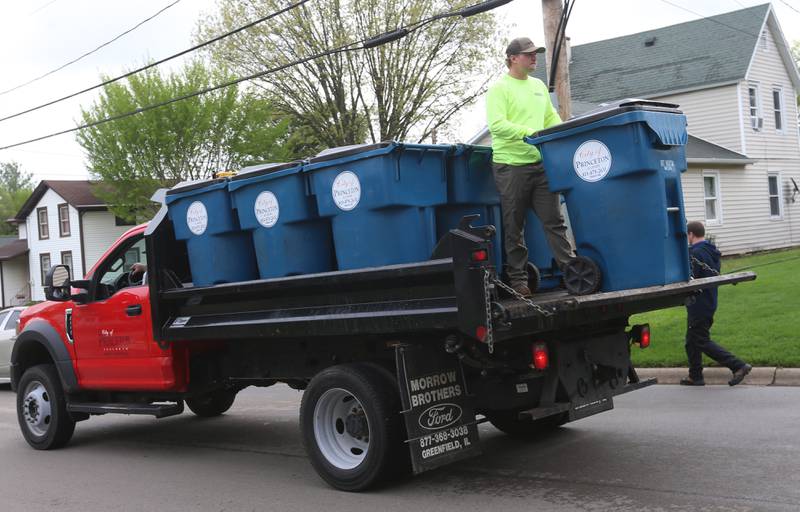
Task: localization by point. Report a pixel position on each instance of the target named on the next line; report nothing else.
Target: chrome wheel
(36, 408)
(341, 428)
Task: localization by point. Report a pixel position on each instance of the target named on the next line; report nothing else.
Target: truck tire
(42, 409)
(509, 422)
(352, 428)
(213, 403)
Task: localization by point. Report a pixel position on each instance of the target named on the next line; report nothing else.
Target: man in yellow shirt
(518, 105)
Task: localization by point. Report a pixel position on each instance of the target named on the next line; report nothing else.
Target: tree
(408, 88)
(15, 188)
(186, 140)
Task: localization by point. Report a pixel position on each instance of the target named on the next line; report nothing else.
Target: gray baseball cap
(522, 45)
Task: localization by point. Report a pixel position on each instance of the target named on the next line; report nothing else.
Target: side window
(115, 273)
(3, 316)
(711, 197)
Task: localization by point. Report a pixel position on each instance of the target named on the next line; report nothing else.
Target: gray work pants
(523, 187)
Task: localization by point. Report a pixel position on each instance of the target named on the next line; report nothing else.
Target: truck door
(113, 333)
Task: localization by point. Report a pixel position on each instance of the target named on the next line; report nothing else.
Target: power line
(365, 43)
(51, 2)
(790, 6)
(158, 62)
(708, 18)
(73, 61)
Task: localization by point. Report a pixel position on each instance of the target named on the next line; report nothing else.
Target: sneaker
(688, 381)
(523, 290)
(740, 374)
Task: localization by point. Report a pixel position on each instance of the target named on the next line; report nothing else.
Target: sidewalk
(763, 376)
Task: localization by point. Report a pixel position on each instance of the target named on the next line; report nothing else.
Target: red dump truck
(399, 364)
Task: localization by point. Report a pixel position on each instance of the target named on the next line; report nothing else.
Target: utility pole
(551, 11)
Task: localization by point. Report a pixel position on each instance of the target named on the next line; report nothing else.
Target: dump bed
(447, 295)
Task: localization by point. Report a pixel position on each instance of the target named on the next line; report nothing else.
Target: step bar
(159, 410)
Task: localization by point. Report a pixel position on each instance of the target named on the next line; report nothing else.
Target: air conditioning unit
(757, 123)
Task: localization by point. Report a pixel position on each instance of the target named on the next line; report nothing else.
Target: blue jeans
(698, 342)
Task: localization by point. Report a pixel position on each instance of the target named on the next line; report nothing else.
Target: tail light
(480, 255)
(480, 333)
(541, 358)
(641, 334)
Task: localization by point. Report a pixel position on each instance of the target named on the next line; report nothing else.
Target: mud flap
(438, 411)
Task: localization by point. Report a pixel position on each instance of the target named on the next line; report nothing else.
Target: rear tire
(42, 409)
(213, 403)
(352, 428)
(510, 423)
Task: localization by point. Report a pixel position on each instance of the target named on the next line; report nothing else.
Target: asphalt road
(662, 448)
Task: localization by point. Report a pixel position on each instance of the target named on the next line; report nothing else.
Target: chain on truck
(399, 363)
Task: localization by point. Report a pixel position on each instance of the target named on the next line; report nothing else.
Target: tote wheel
(534, 277)
(582, 276)
(42, 409)
(351, 424)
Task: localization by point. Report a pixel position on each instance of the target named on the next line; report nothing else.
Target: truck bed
(397, 299)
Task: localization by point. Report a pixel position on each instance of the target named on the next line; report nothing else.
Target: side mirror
(57, 285)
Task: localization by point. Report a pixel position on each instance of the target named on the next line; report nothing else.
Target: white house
(62, 222)
(14, 287)
(734, 77)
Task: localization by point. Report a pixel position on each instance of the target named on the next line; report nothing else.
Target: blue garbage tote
(273, 202)
(619, 170)
(471, 190)
(219, 252)
(380, 199)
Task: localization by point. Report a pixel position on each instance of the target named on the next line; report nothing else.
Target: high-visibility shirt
(516, 108)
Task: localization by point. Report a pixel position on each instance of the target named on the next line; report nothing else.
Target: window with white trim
(755, 106)
(777, 107)
(63, 220)
(775, 203)
(711, 197)
(44, 228)
(44, 263)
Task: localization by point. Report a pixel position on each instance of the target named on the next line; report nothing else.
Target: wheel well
(30, 353)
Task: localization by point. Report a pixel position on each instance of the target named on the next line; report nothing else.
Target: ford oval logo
(439, 416)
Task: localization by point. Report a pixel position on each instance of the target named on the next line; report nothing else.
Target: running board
(161, 410)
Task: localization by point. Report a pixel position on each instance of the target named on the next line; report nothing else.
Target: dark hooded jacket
(706, 303)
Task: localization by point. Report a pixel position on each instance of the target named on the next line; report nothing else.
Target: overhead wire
(711, 18)
(73, 61)
(365, 43)
(158, 62)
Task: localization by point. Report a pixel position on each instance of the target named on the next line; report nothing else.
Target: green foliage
(410, 88)
(185, 140)
(758, 321)
(15, 187)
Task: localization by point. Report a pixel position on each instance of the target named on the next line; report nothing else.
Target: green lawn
(759, 321)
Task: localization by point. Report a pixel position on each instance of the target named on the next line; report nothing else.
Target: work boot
(523, 290)
(688, 381)
(740, 374)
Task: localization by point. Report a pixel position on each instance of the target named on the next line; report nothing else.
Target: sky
(40, 35)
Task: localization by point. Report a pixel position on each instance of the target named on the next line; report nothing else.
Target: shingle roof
(77, 193)
(701, 151)
(695, 54)
(14, 249)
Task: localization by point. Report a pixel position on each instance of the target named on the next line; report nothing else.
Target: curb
(762, 376)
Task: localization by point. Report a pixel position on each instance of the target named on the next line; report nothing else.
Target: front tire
(213, 403)
(352, 429)
(42, 409)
